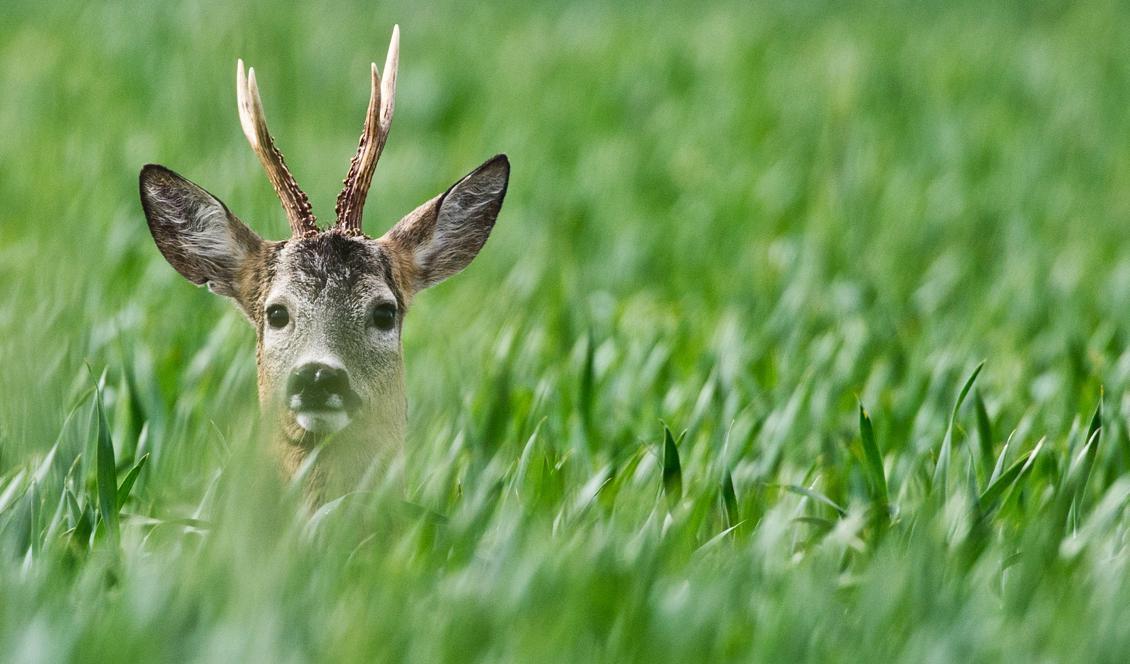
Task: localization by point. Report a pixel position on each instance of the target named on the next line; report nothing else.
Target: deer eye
(277, 316)
(384, 316)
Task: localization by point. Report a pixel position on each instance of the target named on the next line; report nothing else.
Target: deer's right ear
(196, 232)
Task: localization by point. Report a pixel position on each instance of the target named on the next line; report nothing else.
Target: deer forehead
(330, 284)
(333, 271)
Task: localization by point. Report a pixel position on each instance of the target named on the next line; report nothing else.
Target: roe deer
(327, 306)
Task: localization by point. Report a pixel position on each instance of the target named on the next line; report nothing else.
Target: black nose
(314, 385)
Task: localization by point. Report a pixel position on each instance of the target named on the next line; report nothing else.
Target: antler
(351, 200)
(254, 121)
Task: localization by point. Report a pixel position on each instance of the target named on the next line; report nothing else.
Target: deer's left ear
(442, 236)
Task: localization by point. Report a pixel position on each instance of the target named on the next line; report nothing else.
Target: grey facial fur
(330, 284)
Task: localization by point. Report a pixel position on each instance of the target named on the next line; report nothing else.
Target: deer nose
(317, 386)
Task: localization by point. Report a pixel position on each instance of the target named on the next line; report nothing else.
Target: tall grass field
(803, 335)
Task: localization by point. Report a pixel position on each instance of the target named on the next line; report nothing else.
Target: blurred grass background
(740, 219)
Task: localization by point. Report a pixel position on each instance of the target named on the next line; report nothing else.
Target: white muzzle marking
(322, 421)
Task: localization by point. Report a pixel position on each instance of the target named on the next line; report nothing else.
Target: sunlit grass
(869, 258)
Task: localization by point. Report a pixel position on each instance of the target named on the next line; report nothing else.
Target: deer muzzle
(321, 398)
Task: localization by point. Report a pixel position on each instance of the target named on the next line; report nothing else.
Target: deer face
(329, 340)
(327, 306)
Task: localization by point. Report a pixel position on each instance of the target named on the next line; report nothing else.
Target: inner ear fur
(442, 236)
(197, 234)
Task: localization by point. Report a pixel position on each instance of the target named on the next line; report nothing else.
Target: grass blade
(127, 482)
(814, 495)
(965, 391)
(984, 431)
(1079, 472)
(672, 469)
(106, 475)
(1090, 452)
(941, 471)
(999, 466)
(996, 489)
(729, 501)
(585, 394)
(874, 460)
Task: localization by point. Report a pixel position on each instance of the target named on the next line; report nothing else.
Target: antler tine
(378, 119)
(254, 122)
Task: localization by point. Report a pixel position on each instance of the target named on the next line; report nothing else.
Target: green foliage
(745, 220)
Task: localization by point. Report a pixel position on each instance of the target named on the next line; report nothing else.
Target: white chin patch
(322, 421)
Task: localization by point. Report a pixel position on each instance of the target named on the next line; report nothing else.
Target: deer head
(327, 305)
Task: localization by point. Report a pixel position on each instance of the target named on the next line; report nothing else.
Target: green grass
(792, 230)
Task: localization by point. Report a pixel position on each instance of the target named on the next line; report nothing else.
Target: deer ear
(442, 236)
(195, 232)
